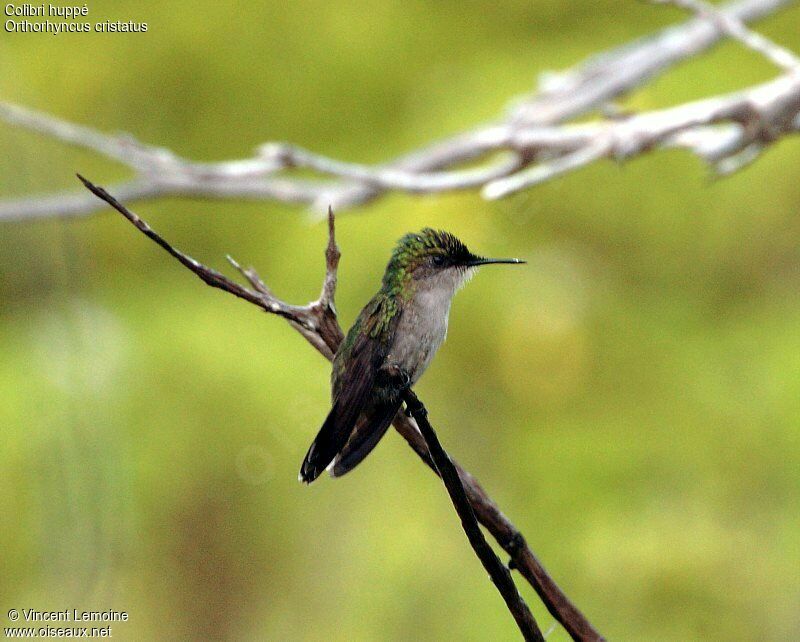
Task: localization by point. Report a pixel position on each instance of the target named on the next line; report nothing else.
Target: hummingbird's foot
(408, 412)
(412, 412)
(414, 407)
(395, 375)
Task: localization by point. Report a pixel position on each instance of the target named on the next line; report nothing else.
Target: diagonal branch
(609, 75)
(499, 574)
(505, 161)
(309, 320)
(733, 27)
(715, 129)
(318, 324)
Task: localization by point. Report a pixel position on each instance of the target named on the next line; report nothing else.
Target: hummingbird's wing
(353, 387)
(370, 427)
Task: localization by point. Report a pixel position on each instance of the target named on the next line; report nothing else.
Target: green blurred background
(631, 399)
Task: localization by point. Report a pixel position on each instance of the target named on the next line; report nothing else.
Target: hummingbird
(390, 345)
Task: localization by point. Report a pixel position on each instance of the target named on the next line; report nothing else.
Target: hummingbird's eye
(438, 260)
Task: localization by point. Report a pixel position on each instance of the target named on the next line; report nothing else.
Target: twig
(715, 129)
(499, 574)
(735, 28)
(602, 78)
(312, 320)
(318, 324)
(526, 146)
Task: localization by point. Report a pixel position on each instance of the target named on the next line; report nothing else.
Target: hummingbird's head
(434, 258)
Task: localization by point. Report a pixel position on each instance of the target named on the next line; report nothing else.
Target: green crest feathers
(408, 254)
(415, 247)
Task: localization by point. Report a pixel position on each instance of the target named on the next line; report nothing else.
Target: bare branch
(318, 324)
(499, 574)
(546, 171)
(73, 204)
(208, 275)
(308, 319)
(759, 116)
(332, 256)
(735, 28)
(527, 145)
(609, 75)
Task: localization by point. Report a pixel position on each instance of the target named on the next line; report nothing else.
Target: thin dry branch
(315, 321)
(318, 324)
(500, 575)
(736, 29)
(715, 129)
(527, 145)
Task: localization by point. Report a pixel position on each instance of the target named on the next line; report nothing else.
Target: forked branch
(318, 324)
(500, 575)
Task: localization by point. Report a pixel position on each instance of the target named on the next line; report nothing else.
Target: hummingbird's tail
(369, 430)
(329, 440)
(343, 442)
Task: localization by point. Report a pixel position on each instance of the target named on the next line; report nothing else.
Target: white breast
(422, 326)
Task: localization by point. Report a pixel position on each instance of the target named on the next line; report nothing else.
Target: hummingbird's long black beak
(479, 260)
